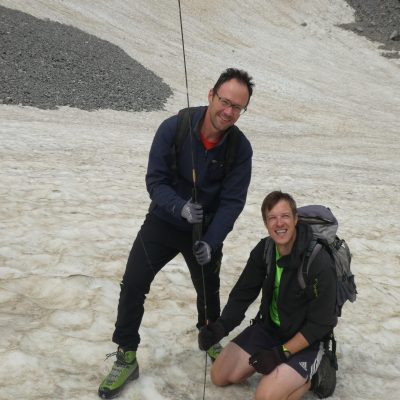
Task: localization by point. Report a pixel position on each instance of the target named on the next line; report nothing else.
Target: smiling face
(219, 116)
(281, 225)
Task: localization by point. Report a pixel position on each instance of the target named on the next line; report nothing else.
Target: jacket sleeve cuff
(313, 333)
(178, 208)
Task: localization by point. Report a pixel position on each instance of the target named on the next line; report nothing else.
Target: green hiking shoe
(214, 351)
(125, 369)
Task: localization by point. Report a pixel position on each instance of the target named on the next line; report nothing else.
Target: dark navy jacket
(222, 196)
(297, 313)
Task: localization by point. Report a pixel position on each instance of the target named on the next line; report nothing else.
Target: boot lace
(117, 368)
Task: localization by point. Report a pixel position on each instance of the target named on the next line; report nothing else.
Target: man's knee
(269, 390)
(221, 377)
(266, 390)
(265, 393)
(218, 378)
(260, 395)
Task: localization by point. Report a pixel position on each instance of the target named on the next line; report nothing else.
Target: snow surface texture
(324, 123)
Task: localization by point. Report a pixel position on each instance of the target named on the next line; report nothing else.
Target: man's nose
(229, 110)
(279, 221)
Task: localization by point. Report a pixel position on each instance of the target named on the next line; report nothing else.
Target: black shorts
(255, 338)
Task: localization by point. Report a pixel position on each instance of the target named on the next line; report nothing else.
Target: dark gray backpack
(324, 226)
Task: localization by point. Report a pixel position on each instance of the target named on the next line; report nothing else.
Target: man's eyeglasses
(236, 109)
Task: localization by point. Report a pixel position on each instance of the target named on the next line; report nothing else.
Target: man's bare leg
(231, 366)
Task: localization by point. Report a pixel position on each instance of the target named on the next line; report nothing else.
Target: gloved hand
(192, 212)
(210, 334)
(265, 361)
(202, 252)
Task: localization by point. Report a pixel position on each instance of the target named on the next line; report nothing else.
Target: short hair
(239, 75)
(272, 199)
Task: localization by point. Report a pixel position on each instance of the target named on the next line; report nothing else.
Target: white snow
(324, 123)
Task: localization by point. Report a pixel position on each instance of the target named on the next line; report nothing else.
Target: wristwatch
(286, 352)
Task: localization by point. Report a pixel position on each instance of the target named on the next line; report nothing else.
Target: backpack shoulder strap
(310, 254)
(183, 123)
(267, 256)
(232, 144)
(182, 130)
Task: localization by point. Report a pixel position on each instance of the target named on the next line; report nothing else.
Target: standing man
(220, 155)
(284, 341)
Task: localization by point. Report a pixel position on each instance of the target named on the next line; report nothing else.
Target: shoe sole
(117, 392)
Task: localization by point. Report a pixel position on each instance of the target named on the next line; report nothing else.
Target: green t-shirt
(273, 308)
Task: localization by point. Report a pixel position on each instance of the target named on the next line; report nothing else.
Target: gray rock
(377, 20)
(395, 35)
(46, 64)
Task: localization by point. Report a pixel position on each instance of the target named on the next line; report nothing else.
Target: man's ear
(296, 219)
(210, 96)
(266, 227)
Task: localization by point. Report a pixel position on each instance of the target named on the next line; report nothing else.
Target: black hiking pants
(156, 244)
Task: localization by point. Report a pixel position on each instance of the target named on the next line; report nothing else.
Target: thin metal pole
(196, 229)
(187, 100)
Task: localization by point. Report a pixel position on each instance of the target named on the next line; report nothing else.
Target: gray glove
(192, 212)
(202, 252)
